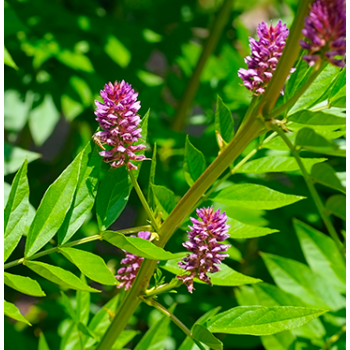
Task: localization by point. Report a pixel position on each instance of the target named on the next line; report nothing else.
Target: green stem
(334, 338)
(167, 313)
(144, 201)
(209, 46)
(318, 202)
(162, 289)
(72, 244)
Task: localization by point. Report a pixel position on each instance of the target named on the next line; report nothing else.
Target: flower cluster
(126, 275)
(325, 31)
(203, 243)
(265, 55)
(119, 121)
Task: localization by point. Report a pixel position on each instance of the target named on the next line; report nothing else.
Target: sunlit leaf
(12, 311)
(194, 163)
(8, 60)
(223, 120)
(164, 200)
(117, 51)
(43, 343)
(23, 284)
(239, 230)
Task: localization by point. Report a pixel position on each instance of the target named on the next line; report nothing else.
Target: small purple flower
(119, 120)
(126, 275)
(203, 243)
(325, 31)
(265, 55)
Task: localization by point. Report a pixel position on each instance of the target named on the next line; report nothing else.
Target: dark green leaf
(12, 311)
(23, 284)
(262, 320)
(337, 206)
(90, 265)
(253, 196)
(202, 334)
(59, 276)
(152, 175)
(138, 246)
(194, 163)
(164, 200)
(68, 307)
(239, 230)
(53, 208)
(16, 211)
(337, 96)
(325, 175)
(318, 118)
(223, 121)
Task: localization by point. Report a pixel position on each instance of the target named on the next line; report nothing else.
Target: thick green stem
(167, 313)
(144, 201)
(193, 84)
(314, 194)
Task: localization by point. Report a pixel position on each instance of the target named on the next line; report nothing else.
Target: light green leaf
(164, 200)
(194, 163)
(43, 119)
(276, 164)
(318, 118)
(337, 96)
(279, 341)
(138, 246)
(152, 175)
(8, 59)
(233, 252)
(84, 197)
(59, 276)
(53, 208)
(23, 284)
(226, 277)
(86, 331)
(155, 337)
(82, 89)
(223, 120)
(15, 156)
(16, 211)
(43, 343)
(202, 334)
(83, 304)
(148, 78)
(116, 50)
(70, 107)
(325, 175)
(12, 311)
(90, 265)
(322, 255)
(124, 338)
(112, 196)
(253, 196)
(75, 60)
(299, 280)
(71, 338)
(68, 307)
(239, 230)
(337, 206)
(262, 320)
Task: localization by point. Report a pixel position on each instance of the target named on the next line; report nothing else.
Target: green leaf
(253, 196)
(276, 164)
(116, 50)
(322, 255)
(84, 197)
(112, 196)
(337, 96)
(239, 230)
(75, 60)
(90, 265)
(59, 276)
(16, 211)
(202, 334)
(223, 120)
(23, 284)
(8, 59)
(149, 79)
(15, 156)
(43, 119)
(337, 206)
(53, 208)
(308, 139)
(318, 118)
(262, 320)
(68, 307)
(279, 341)
(164, 200)
(155, 337)
(152, 175)
(12, 311)
(83, 304)
(225, 277)
(194, 163)
(86, 331)
(299, 280)
(124, 338)
(71, 338)
(43, 343)
(325, 175)
(138, 246)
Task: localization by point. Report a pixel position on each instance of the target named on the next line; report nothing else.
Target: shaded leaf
(12, 311)
(325, 175)
(164, 200)
(317, 118)
(83, 304)
(279, 341)
(203, 334)
(223, 120)
(337, 206)
(23, 284)
(194, 163)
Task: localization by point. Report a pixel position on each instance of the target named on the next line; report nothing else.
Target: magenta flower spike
(206, 251)
(126, 274)
(265, 55)
(325, 32)
(119, 121)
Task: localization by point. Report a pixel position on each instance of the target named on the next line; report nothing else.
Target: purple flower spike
(265, 54)
(126, 275)
(120, 123)
(325, 31)
(206, 252)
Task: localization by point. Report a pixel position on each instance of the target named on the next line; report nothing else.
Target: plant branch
(144, 201)
(162, 289)
(318, 202)
(167, 313)
(209, 46)
(334, 338)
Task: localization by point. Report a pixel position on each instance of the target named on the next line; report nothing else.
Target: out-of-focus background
(65, 51)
